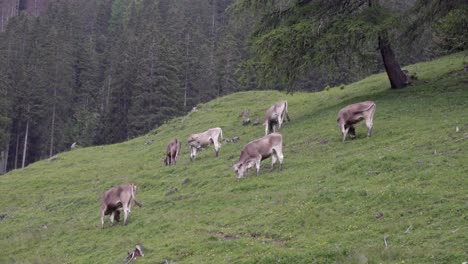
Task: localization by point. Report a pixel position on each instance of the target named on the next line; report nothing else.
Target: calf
(118, 198)
(354, 113)
(275, 115)
(254, 152)
(205, 139)
(172, 152)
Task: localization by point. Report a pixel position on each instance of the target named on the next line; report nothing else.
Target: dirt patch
(225, 236)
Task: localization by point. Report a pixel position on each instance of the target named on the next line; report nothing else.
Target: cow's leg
(129, 206)
(112, 216)
(193, 153)
(344, 131)
(267, 127)
(257, 165)
(217, 146)
(279, 153)
(176, 157)
(102, 218)
(352, 132)
(369, 123)
(126, 212)
(280, 122)
(273, 161)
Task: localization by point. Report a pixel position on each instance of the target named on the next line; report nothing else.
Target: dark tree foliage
(104, 71)
(291, 39)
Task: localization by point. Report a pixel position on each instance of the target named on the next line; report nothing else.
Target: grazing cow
(118, 198)
(205, 139)
(172, 152)
(354, 113)
(256, 151)
(275, 116)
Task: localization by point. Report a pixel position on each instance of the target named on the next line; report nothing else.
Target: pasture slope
(333, 202)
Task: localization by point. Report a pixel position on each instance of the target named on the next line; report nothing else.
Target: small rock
(173, 190)
(246, 122)
(186, 181)
(379, 215)
(244, 114)
(235, 139)
(256, 122)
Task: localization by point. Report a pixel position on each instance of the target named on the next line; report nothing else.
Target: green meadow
(332, 203)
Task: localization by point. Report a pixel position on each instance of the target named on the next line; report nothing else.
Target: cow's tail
(372, 105)
(221, 133)
(286, 110)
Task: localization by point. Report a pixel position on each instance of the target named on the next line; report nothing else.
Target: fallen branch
(408, 229)
(385, 240)
(466, 136)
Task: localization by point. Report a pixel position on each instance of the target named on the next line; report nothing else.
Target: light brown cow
(275, 115)
(118, 198)
(205, 139)
(172, 152)
(354, 113)
(254, 152)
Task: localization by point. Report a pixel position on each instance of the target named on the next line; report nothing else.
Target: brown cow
(172, 152)
(275, 115)
(256, 151)
(354, 113)
(205, 139)
(118, 198)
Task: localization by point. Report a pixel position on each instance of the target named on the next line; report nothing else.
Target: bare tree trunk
(397, 77)
(2, 162)
(7, 154)
(52, 129)
(25, 144)
(108, 91)
(4, 156)
(213, 46)
(187, 42)
(17, 149)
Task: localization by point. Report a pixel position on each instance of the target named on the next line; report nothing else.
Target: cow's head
(241, 168)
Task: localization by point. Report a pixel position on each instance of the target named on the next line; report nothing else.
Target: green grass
(320, 209)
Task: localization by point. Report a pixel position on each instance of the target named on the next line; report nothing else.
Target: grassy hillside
(320, 209)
